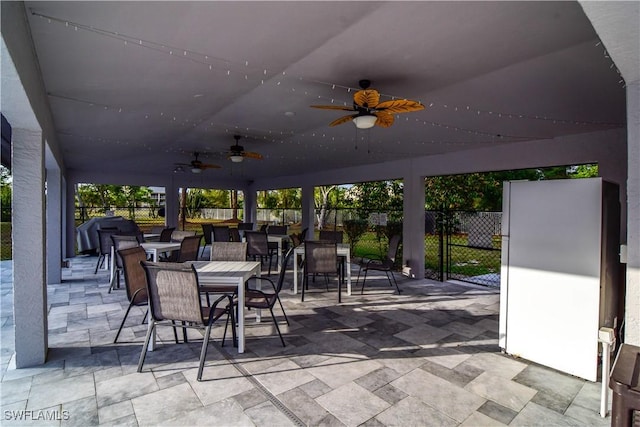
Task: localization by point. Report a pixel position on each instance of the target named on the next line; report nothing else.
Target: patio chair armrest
(273, 285)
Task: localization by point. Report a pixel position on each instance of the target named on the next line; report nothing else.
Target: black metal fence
(464, 246)
(458, 245)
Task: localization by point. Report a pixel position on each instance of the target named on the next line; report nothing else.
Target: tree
(5, 194)
(134, 196)
(322, 203)
(583, 171)
(483, 191)
(377, 196)
(233, 199)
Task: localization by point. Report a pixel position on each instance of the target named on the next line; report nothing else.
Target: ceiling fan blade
(209, 166)
(368, 98)
(400, 106)
(384, 119)
(252, 155)
(332, 107)
(342, 120)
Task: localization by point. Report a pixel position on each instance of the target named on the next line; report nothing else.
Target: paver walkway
(428, 357)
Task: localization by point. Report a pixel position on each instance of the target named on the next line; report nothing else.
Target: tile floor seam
(270, 396)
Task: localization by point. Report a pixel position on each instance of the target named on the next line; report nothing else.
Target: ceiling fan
(237, 154)
(196, 165)
(370, 111)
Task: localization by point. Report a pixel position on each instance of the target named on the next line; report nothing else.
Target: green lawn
(464, 261)
(5, 241)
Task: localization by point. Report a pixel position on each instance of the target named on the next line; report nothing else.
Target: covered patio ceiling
(136, 87)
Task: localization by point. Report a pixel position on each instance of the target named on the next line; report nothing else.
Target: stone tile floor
(428, 357)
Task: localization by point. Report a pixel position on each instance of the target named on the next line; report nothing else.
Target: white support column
(250, 204)
(308, 210)
(413, 225)
(171, 204)
(28, 218)
(70, 229)
(54, 226)
(63, 218)
(632, 303)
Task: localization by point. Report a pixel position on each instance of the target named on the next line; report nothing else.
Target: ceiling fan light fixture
(365, 121)
(196, 170)
(236, 158)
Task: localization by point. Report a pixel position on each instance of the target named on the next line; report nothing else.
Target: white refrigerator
(560, 274)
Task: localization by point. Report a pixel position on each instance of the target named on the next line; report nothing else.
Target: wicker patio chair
(320, 257)
(221, 233)
(382, 264)
(165, 234)
(135, 281)
(174, 296)
(178, 235)
(258, 246)
(228, 251)
(266, 298)
(120, 242)
(189, 250)
(104, 245)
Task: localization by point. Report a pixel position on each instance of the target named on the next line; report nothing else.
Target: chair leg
(203, 351)
(283, 312)
(358, 278)
(230, 318)
(122, 323)
(305, 284)
(100, 258)
(224, 334)
(184, 332)
(275, 322)
(363, 280)
(146, 345)
(144, 319)
(175, 331)
(232, 315)
(394, 281)
(115, 279)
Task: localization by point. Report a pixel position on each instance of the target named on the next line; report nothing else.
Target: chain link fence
(464, 246)
(458, 245)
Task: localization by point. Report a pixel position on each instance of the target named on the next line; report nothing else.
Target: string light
(286, 82)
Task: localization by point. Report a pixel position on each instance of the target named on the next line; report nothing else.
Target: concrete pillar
(70, 229)
(632, 303)
(54, 226)
(28, 217)
(171, 204)
(413, 225)
(250, 204)
(63, 218)
(308, 210)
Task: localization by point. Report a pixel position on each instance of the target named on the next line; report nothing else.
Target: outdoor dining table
(344, 250)
(279, 239)
(153, 250)
(225, 273)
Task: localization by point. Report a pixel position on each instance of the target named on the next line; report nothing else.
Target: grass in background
(5, 241)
